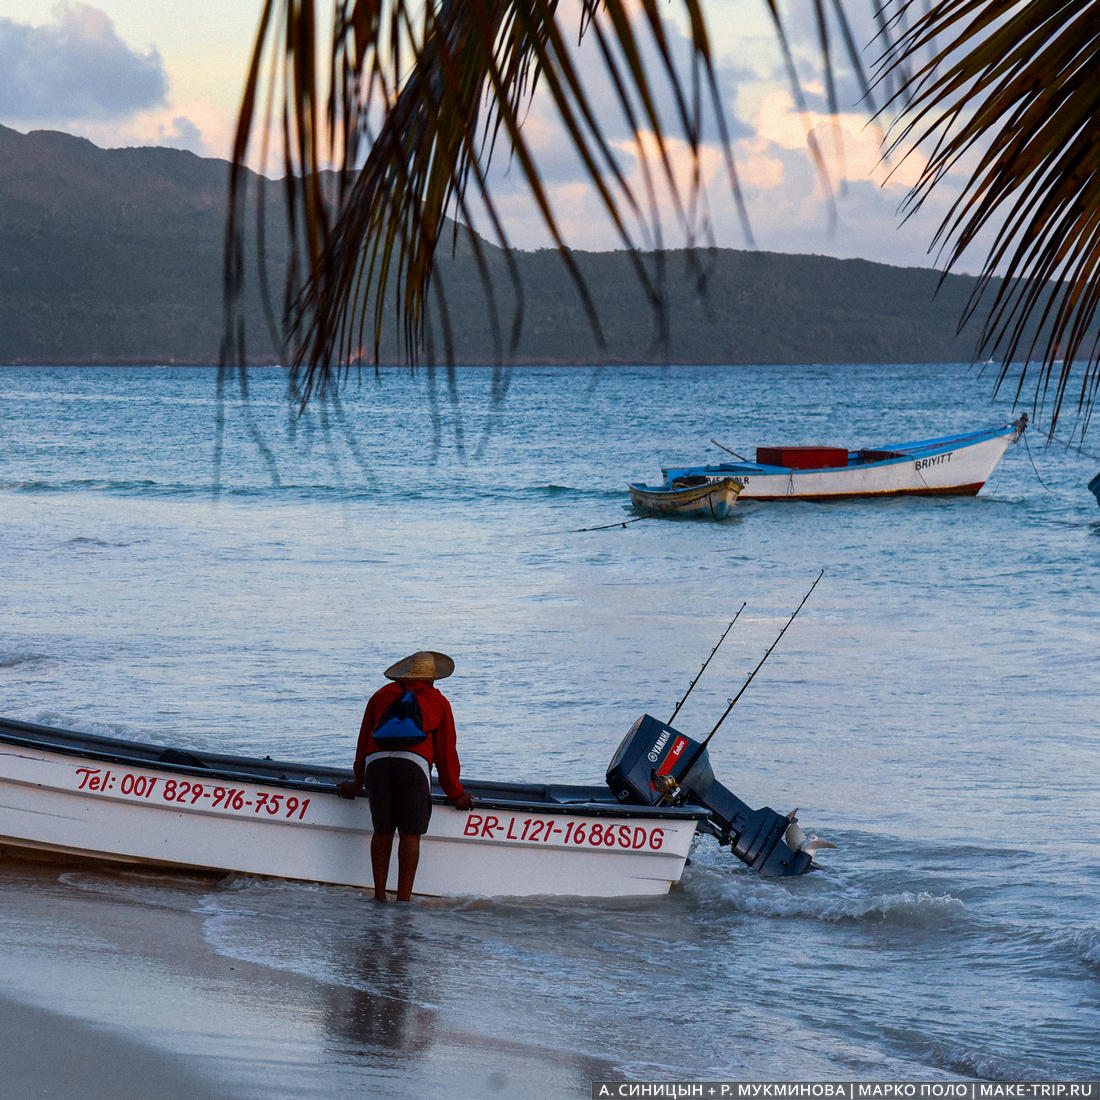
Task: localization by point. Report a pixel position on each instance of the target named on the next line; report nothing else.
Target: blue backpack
(402, 724)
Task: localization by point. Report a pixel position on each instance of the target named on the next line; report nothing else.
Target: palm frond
(391, 142)
(1007, 95)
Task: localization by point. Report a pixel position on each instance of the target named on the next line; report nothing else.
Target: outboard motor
(656, 765)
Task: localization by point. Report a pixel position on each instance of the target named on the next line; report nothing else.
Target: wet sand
(44, 1054)
(110, 991)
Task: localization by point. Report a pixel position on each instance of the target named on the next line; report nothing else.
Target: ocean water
(933, 710)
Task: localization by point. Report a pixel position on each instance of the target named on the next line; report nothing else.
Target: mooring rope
(1076, 448)
(1027, 447)
(608, 526)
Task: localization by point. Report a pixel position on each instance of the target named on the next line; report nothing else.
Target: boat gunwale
(901, 452)
(324, 778)
(686, 492)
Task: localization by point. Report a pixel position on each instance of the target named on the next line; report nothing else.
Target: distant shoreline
(481, 365)
(115, 257)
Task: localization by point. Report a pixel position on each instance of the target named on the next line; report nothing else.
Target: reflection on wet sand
(415, 1005)
(378, 1008)
(244, 981)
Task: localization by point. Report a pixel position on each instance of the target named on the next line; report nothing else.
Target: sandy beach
(47, 1054)
(111, 991)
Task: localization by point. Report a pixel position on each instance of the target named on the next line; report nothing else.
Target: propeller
(797, 840)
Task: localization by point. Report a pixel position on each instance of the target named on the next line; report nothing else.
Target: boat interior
(297, 776)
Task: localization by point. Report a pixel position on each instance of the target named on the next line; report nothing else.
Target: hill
(114, 256)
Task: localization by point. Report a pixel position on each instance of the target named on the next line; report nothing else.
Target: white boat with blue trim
(79, 795)
(948, 465)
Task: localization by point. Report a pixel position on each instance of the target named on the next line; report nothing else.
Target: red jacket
(438, 748)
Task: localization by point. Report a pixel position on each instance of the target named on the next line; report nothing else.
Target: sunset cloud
(850, 146)
(78, 69)
(75, 69)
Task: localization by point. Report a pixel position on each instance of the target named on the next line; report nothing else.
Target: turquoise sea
(933, 710)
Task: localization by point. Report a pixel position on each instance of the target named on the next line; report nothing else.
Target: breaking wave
(1085, 943)
(907, 907)
(11, 658)
(61, 720)
(983, 1065)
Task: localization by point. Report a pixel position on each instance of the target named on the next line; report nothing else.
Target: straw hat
(424, 665)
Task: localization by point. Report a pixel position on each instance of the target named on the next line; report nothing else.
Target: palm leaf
(1007, 93)
(396, 134)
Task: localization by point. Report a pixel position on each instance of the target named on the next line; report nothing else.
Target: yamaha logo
(655, 752)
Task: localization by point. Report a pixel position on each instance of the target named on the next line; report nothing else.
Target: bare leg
(408, 856)
(381, 844)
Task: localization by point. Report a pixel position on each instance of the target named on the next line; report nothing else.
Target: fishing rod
(705, 663)
(733, 701)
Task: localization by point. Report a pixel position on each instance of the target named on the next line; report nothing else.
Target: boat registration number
(185, 792)
(537, 830)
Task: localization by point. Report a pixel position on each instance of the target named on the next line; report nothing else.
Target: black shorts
(400, 795)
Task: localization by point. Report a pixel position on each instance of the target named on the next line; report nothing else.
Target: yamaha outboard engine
(656, 765)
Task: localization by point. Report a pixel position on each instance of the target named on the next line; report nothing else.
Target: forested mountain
(114, 256)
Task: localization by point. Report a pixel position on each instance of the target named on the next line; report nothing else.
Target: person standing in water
(407, 726)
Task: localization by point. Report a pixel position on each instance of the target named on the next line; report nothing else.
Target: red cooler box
(802, 458)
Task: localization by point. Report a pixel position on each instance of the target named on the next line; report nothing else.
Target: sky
(149, 72)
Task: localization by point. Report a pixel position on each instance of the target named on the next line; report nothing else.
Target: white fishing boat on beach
(91, 797)
(948, 465)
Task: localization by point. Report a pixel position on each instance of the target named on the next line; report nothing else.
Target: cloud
(75, 69)
(789, 209)
(851, 148)
(183, 134)
(652, 215)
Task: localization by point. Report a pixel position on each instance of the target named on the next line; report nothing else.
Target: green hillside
(114, 256)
